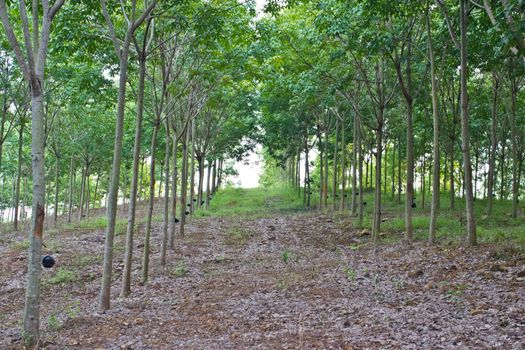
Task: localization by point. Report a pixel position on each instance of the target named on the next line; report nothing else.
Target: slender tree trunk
(377, 198)
(173, 218)
(434, 209)
(393, 170)
(141, 180)
(208, 185)
(385, 184)
(399, 180)
(164, 244)
(334, 176)
(360, 213)
(201, 183)
(326, 168)
(192, 173)
(214, 177)
(321, 167)
(95, 193)
(307, 171)
(493, 144)
(57, 177)
(18, 176)
(503, 178)
(147, 234)
(514, 144)
(355, 152)
(161, 181)
(71, 187)
(32, 297)
(130, 229)
(465, 137)
(124, 189)
(343, 164)
(82, 193)
(184, 179)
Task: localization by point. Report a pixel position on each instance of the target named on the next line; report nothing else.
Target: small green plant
(63, 276)
(399, 284)
(236, 235)
(180, 270)
(73, 309)
(53, 322)
(285, 256)
(20, 245)
(351, 274)
(354, 247)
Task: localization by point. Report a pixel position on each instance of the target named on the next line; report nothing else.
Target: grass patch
(499, 228)
(237, 235)
(180, 270)
(97, 223)
(63, 276)
(20, 245)
(253, 202)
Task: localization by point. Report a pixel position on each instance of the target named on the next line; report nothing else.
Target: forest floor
(276, 280)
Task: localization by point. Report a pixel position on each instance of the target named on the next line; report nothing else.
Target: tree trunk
(355, 146)
(164, 244)
(465, 138)
(307, 171)
(57, 176)
(360, 213)
(514, 144)
(82, 194)
(174, 194)
(18, 176)
(147, 234)
(493, 144)
(343, 164)
(111, 212)
(32, 298)
(184, 178)
(377, 198)
(71, 187)
(192, 173)
(321, 167)
(130, 229)
(385, 184)
(334, 166)
(208, 184)
(434, 209)
(399, 180)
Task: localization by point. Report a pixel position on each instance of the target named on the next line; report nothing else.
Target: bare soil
(302, 281)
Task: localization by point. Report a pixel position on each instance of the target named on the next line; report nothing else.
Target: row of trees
(394, 90)
(164, 70)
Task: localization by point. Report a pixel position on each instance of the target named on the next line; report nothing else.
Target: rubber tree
(122, 49)
(32, 64)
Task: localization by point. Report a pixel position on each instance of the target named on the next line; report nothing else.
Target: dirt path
(283, 282)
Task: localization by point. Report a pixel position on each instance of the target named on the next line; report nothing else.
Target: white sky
(260, 4)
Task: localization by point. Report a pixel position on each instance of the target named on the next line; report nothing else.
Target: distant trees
(346, 54)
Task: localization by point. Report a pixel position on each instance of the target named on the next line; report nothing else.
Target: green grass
(97, 223)
(254, 202)
(237, 235)
(451, 224)
(63, 276)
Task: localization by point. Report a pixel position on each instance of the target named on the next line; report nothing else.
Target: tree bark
(434, 209)
(493, 144)
(184, 179)
(164, 244)
(130, 229)
(147, 233)
(465, 137)
(18, 176)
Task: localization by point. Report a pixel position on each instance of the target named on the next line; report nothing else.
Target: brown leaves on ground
(285, 282)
